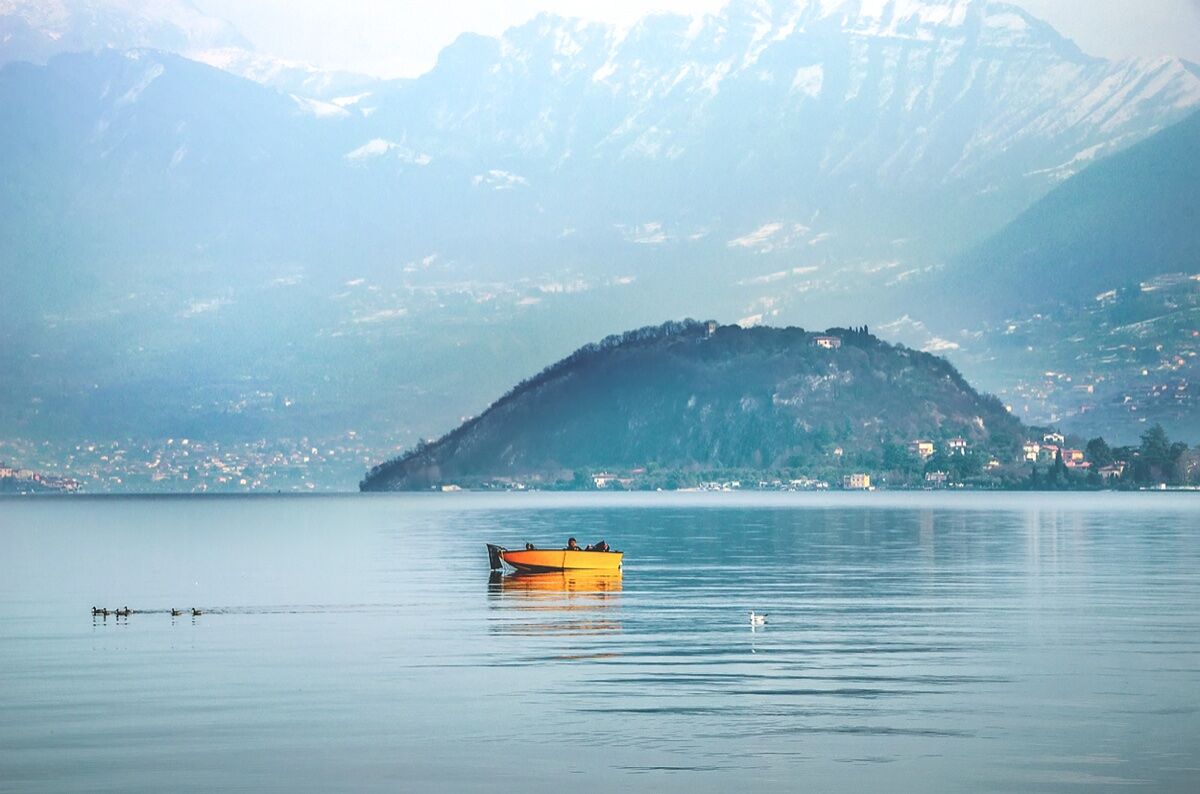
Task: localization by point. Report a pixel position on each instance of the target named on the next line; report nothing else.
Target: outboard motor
(494, 556)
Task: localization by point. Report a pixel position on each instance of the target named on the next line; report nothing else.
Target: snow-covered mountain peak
(743, 29)
(927, 20)
(39, 29)
(990, 22)
(890, 15)
(286, 75)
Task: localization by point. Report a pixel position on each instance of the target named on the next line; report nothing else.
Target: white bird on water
(757, 620)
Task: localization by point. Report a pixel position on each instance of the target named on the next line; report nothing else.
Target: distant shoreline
(599, 495)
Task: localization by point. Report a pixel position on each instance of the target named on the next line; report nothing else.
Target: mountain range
(190, 246)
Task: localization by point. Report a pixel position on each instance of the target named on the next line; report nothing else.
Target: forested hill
(694, 395)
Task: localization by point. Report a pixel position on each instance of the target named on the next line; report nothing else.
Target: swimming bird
(122, 613)
(757, 620)
(95, 611)
(175, 612)
(196, 612)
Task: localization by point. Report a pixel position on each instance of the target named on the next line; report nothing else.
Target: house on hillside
(937, 479)
(857, 482)
(923, 449)
(1054, 438)
(606, 479)
(1111, 472)
(957, 446)
(1032, 451)
(828, 342)
(603, 479)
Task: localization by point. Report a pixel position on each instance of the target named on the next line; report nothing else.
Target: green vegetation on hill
(694, 397)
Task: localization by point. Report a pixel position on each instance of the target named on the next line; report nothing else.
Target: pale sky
(396, 38)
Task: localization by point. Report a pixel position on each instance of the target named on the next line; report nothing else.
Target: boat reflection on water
(593, 585)
(563, 602)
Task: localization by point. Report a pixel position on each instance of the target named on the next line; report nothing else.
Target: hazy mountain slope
(1083, 312)
(129, 169)
(1122, 221)
(680, 396)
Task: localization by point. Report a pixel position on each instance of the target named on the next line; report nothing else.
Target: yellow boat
(545, 560)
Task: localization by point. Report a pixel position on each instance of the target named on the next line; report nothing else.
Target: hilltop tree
(1056, 475)
(1158, 459)
(896, 457)
(958, 467)
(1156, 447)
(1099, 453)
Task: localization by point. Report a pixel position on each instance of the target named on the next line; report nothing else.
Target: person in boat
(572, 545)
(600, 546)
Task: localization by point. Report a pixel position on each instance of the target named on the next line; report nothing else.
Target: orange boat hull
(544, 560)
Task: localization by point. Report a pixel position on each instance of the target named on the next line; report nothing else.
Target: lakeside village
(15, 480)
(188, 465)
(1049, 461)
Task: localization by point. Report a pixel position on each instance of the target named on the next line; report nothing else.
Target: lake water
(916, 642)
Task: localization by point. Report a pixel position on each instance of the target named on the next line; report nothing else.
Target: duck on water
(123, 612)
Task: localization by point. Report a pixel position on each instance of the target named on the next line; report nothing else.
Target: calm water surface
(915, 643)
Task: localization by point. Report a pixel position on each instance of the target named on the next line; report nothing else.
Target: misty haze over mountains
(197, 238)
